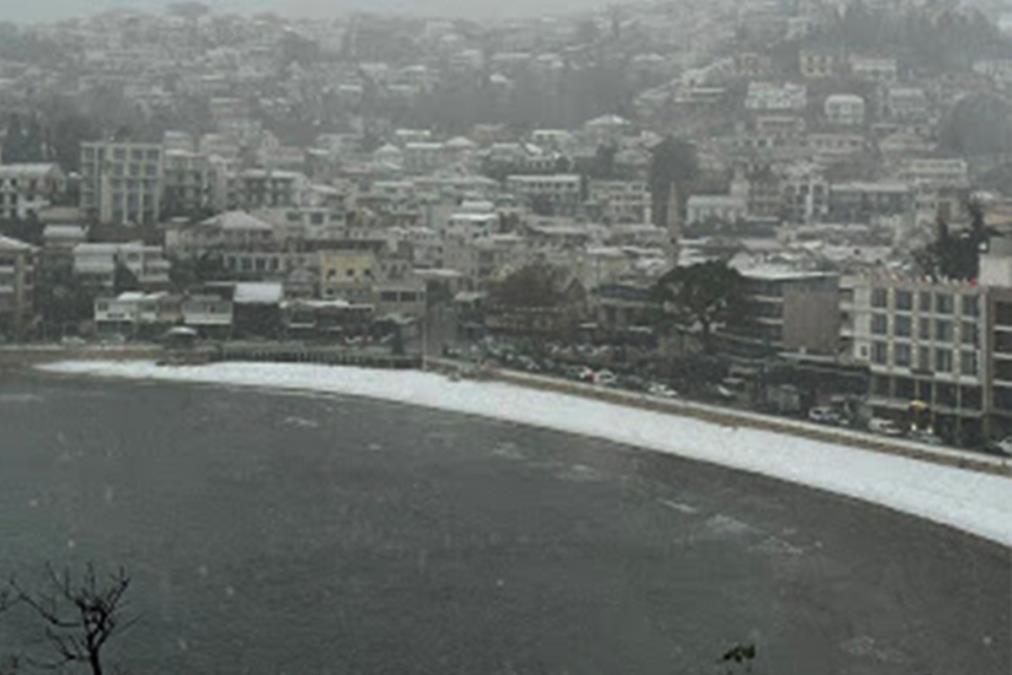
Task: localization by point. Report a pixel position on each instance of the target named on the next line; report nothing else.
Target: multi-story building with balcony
(190, 183)
(924, 344)
(561, 192)
(790, 310)
(621, 201)
(122, 182)
(95, 263)
(264, 188)
(17, 286)
(29, 188)
(860, 202)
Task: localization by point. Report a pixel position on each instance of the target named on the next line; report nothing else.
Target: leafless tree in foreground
(80, 616)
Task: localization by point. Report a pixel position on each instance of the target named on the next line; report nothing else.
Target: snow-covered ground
(972, 501)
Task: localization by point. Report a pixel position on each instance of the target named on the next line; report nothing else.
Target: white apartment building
(472, 225)
(29, 188)
(96, 263)
(874, 69)
(561, 191)
(924, 343)
(423, 157)
(621, 201)
(765, 96)
(722, 208)
(190, 183)
(17, 285)
(122, 183)
(805, 194)
(132, 312)
(905, 103)
(845, 110)
(936, 172)
(264, 188)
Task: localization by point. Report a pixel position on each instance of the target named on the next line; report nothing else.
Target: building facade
(924, 343)
(122, 183)
(17, 286)
(29, 188)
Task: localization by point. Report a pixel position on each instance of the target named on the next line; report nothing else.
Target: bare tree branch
(79, 617)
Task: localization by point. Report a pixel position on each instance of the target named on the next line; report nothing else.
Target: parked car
(926, 436)
(1002, 447)
(885, 427)
(662, 390)
(824, 415)
(605, 378)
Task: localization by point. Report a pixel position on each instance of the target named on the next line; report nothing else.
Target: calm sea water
(277, 534)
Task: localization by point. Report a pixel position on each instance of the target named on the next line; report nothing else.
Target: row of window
(940, 393)
(940, 303)
(403, 296)
(943, 329)
(136, 154)
(939, 360)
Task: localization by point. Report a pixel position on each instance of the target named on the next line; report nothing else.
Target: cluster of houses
(817, 175)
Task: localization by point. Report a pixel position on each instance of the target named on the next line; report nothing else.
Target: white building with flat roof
(122, 183)
(845, 110)
(561, 191)
(29, 188)
(96, 263)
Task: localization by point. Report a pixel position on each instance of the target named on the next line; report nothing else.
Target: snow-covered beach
(974, 502)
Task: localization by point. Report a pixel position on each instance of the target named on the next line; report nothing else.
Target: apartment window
(1003, 314)
(943, 361)
(943, 331)
(943, 303)
(971, 305)
(879, 297)
(880, 385)
(968, 333)
(904, 301)
(879, 353)
(924, 359)
(968, 363)
(924, 301)
(879, 324)
(924, 329)
(902, 355)
(970, 397)
(902, 326)
(904, 388)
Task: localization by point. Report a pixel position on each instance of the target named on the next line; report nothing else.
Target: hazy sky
(28, 10)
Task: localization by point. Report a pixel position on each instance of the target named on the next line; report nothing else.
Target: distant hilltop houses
(259, 176)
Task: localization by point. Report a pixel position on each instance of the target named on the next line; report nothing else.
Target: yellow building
(349, 275)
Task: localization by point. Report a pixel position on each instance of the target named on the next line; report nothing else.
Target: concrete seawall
(17, 358)
(729, 417)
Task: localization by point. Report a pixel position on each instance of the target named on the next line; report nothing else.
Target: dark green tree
(955, 255)
(62, 299)
(603, 167)
(536, 285)
(123, 279)
(706, 296)
(673, 164)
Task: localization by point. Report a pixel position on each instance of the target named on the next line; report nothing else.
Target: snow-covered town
(767, 237)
